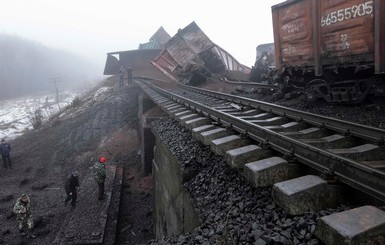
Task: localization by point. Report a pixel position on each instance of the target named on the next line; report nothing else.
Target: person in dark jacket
(129, 74)
(71, 187)
(121, 76)
(5, 150)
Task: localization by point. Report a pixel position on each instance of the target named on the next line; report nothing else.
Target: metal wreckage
(191, 56)
(187, 57)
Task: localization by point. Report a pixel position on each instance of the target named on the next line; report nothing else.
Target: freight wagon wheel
(316, 88)
(316, 84)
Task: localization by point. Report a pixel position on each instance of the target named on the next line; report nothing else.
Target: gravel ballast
(231, 211)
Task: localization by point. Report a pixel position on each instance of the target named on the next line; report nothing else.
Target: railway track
(339, 151)
(254, 86)
(354, 153)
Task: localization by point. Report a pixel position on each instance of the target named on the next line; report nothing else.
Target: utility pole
(55, 80)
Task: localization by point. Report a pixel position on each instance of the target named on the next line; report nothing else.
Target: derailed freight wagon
(140, 59)
(264, 70)
(332, 49)
(190, 56)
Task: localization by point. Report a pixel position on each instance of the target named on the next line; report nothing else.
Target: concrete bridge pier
(148, 111)
(174, 212)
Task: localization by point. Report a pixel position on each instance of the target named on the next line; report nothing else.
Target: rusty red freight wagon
(331, 49)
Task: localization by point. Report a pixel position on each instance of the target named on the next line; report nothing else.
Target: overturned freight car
(190, 57)
(139, 60)
(264, 70)
(332, 49)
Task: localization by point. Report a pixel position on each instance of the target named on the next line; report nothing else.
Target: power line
(55, 80)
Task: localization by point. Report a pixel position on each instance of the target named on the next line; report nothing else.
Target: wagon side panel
(293, 35)
(347, 32)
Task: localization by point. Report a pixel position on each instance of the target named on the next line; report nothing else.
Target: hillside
(103, 123)
(27, 67)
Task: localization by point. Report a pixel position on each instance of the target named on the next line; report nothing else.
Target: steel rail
(253, 85)
(368, 180)
(370, 133)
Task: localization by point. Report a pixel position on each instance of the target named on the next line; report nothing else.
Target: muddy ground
(104, 123)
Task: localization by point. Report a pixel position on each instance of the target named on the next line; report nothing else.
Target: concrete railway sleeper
(311, 162)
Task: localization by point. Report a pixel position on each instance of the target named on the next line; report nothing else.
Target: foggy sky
(28, 67)
(91, 29)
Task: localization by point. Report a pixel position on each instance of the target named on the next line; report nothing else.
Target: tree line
(27, 66)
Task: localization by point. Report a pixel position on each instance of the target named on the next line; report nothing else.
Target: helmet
(103, 159)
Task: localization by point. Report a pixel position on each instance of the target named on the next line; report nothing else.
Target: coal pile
(231, 210)
(365, 113)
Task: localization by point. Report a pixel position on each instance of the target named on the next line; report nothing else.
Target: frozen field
(16, 114)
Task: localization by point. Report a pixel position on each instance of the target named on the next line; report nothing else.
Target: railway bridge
(303, 165)
(231, 170)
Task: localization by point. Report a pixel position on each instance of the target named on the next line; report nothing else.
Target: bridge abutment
(148, 111)
(173, 210)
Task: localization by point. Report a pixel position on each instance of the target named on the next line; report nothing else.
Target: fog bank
(28, 67)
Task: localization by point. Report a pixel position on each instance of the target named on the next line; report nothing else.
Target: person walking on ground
(121, 76)
(99, 170)
(23, 211)
(71, 187)
(129, 74)
(5, 150)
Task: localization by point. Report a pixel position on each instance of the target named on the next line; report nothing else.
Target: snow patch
(16, 114)
(101, 91)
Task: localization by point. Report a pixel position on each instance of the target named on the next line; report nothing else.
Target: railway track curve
(354, 153)
(338, 151)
